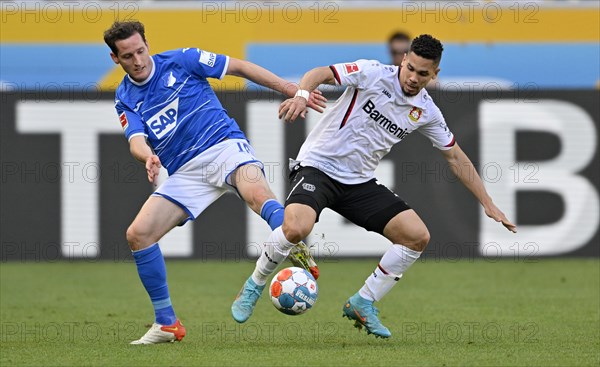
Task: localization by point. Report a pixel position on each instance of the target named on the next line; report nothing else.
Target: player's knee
(420, 240)
(294, 232)
(416, 240)
(135, 237)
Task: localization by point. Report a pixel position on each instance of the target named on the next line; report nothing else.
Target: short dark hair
(427, 47)
(399, 36)
(122, 30)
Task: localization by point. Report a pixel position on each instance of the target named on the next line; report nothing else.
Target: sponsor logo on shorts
(308, 187)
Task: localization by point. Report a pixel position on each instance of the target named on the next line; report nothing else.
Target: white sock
(275, 251)
(393, 264)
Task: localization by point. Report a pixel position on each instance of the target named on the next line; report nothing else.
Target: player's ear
(437, 70)
(114, 58)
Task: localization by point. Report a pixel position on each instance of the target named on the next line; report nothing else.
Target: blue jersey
(175, 108)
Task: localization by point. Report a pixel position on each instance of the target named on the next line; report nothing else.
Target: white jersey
(370, 117)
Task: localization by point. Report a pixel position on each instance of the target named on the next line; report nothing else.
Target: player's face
(133, 57)
(416, 72)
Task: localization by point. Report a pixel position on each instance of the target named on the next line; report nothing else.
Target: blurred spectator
(398, 44)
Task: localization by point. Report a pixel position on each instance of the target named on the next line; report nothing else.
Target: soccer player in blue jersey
(172, 118)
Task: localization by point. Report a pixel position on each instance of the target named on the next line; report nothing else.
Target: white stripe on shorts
(290, 194)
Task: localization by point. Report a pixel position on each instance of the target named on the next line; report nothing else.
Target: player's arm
(291, 108)
(462, 167)
(264, 77)
(141, 151)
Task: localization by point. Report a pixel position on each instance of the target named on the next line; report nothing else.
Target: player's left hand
(291, 108)
(317, 101)
(496, 214)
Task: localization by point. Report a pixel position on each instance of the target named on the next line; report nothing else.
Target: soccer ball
(293, 291)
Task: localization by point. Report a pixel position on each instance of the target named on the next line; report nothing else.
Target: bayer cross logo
(308, 187)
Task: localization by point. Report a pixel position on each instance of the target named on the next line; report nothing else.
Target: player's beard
(410, 94)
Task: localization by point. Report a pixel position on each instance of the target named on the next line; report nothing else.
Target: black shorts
(370, 205)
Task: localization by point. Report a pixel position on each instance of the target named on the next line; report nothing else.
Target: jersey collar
(139, 84)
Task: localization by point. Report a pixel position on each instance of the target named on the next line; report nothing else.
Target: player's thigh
(298, 221)
(157, 217)
(311, 192)
(407, 228)
(251, 184)
(370, 205)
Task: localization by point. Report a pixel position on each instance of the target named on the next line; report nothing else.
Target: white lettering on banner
(499, 123)
(266, 132)
(79, 124)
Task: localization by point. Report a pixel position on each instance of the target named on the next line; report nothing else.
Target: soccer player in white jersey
(172, 117)
(335, 167)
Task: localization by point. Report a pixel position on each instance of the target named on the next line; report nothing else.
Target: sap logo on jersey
(208, 58)
(165, 120)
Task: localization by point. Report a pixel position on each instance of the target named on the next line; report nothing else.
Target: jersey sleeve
(204, 64)
(437, 131)
(356, 74)
(130, 121)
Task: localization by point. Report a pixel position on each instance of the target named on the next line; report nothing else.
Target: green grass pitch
(487, 313)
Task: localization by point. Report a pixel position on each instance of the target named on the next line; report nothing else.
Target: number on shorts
(243, 147)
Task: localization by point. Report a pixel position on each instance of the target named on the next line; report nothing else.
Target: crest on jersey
(169, 80)
(123, 120)
(351, 68)
(415, 114)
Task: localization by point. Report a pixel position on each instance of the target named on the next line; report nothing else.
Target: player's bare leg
(254, 189)
(409, 236)
(252, 186)
(157, 217)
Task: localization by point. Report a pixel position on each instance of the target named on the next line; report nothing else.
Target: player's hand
(317, 101)
(291, 108)
(153, 168)
(496, 214)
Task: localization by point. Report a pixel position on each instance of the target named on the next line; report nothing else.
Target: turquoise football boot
(365, 314)
(244, 303)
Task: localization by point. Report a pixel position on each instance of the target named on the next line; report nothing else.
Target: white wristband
(302, 93)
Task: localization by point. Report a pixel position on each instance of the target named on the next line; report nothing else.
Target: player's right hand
(496, 214)
(153, 168)
(291, 108)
